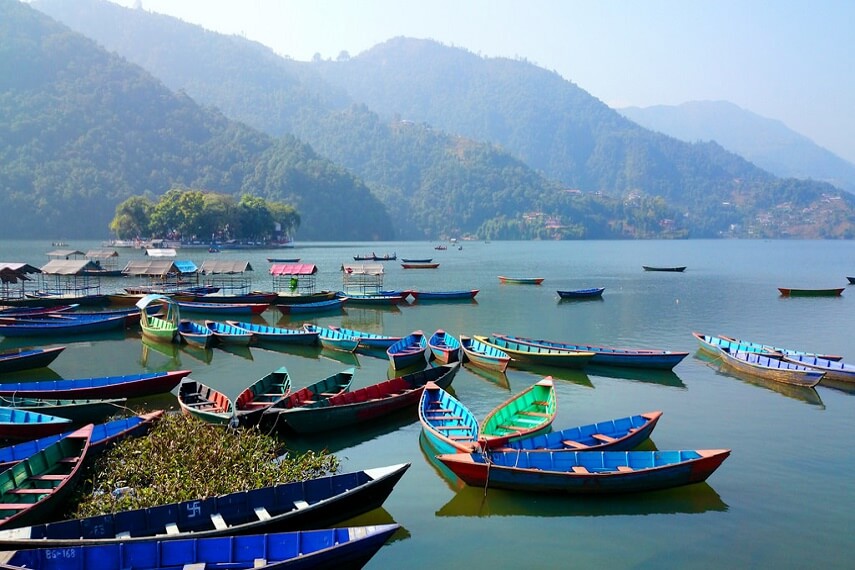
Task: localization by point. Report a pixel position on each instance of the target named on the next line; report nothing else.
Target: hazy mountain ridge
(768, 143)
(84, 130)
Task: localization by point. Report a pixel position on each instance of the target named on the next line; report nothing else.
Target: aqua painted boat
(18, 359)
(349, 547)
(585, 472)
(409, 351)
(484, 355)
(79, 411)
(314, 503)
(369, 341)
(334, 339)
(444, 347)
(268, 390)
(621, 434)
(370, 403)
(204, 403)
(540, 355)
(610, 356)
(25, 424)
(711, 344)
(268, 334)
(227, 334)
(530, 412)
(447, 424)
(195, 334)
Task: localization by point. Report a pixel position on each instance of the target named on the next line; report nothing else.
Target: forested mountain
(400, 115)
(81, 130)
(768, 143)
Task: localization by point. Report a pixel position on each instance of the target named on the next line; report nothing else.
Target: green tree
(132, 218)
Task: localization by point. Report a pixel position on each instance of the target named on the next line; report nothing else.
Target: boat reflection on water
(204, 355)
(377, 517)
(500, 379)
(572, 375)
(847, 387)
(236, 349)
(804, 393)
(164, 401)
(470, 501)
(336, 440)
(649, 376)
(153, 353)
(348, 358)
(309, 351)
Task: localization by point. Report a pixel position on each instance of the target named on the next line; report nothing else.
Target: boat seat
(15, 506)
(603, 437)
(218, 521)
(308, 402)
(538, 414)
(580, 469)
(262, 514)
(443, 417)
(513, 427)
(460, 437)
(467, 428)
(440, 409)
(328, 394)
(541, 403)
(625, 468)
(301, 505)
(573, 444)
(198, 404)
(30, 491)
(172, 528)
(125, 534)
(48, 477)
(69, 460)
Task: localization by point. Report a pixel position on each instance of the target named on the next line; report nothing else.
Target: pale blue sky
(791, 60)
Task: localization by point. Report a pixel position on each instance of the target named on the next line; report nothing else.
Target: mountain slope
(768, 143)
(81, 130)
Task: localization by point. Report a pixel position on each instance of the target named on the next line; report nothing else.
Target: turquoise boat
(334, 339)
(540, 355)
(265, 333)
(447, 424)
(409, 351)
(369, 341)
(444, 347)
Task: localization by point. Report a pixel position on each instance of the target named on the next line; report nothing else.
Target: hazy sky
(791, 60)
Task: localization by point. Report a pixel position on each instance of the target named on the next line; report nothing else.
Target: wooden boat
(265, 333)
(711, 344)
(310, 395)
(283, 259)
(227, 334)
(334, 339)
(416, 260)
(771, 368)
(349, 547)
(444, 347)
(447, 424)
(528, 413)
(409, 351)
(785, 292)
(363, 257)
(60, 327)
(32, 488)
(520, 280)
(253, 297)
(162, 327)
(585, 472)
(444, 295)
(317, 307)
(223, 308)
(609, 356)
(621, 434)
(203, 402)
(484, 355)
(261, 395)
(541, 355)
(360, 299)
(18, 359)
(78, 411)
(195, 334)
(420, 265)
(25, 424)
(305, 504)
(835, 370)
(103, 436)
(592, 293)
(673, 269)
(127, 386)
(369, 403)
(369, 341)
(441, 247)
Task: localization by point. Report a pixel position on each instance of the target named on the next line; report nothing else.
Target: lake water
(783, 499)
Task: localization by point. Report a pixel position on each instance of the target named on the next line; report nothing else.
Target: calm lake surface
(783, 499)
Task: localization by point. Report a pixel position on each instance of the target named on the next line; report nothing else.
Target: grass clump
(184, 459)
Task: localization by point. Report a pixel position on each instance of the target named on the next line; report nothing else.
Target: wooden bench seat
(218, 521)
(48, 477)
(30, 491)
(456, 418)
(580, 469)
(573, 444)
(14, 506)
(624, 468)
(537, 414)
(467, 428)
(603, 437)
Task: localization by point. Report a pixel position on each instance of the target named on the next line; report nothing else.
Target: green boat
(785, 292)
(203, 402)
(162, 327)
(535, 354)
(263, 393)
(530, 412)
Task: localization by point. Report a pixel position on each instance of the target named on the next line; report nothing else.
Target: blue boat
(103, 436)
(462, 295)
(127, 386)
(222, 308)
(711, 344)
(26, 424)
(349, 547)
(592, 293)
(228, 334)
(585, 472)
(19, 359)
(620, 434)
(608, 356)
(447, 424)
(366, 299)
(444, 347)
(61, 327)
(409, 351)
(318, 307)
(195, 334)
(265, 333)
(484, 355)
(314, 503)
(835, 370)
(369, 341)
(334, 339)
